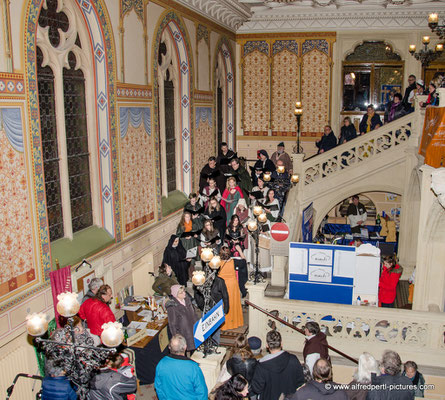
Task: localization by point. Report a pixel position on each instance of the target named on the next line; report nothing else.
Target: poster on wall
(307, 223)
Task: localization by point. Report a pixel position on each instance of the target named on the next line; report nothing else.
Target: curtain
(12, 124)
(134, 116)
(60, 282)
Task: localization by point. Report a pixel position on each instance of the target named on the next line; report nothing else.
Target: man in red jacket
(96, 310)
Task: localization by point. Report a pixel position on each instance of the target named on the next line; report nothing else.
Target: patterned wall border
(225, 48)
(11, 84)
(126, 91)
(171, 21)
(203, 97)
(103, 50)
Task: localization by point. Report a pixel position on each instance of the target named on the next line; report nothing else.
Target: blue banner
(208, 324)
(307, 223)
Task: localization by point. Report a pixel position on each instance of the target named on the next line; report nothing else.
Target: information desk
(151, 349)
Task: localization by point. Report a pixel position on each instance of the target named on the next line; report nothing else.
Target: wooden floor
(228, 337)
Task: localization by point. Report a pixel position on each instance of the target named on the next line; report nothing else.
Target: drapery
(11, 119)
(134, 116)
(60, 282)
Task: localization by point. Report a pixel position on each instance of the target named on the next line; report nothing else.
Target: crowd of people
(396, 107)
(248, 374)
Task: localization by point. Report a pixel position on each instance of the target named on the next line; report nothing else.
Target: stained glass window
(77, 145)
(45, 79)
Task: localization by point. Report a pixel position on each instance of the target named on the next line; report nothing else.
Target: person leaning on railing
(370, 121)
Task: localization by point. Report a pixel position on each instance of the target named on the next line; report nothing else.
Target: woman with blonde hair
(217, 214)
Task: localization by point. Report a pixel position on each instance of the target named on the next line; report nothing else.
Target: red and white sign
(280, 231)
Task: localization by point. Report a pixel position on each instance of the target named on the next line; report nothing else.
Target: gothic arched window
(63, 74)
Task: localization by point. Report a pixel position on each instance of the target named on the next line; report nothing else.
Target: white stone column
(257, 319)
(429, 288)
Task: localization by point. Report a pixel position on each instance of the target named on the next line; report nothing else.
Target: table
(147, 351)
(338, 229)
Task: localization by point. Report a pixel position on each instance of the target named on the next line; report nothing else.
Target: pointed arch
(170, 23)
(226, 74)
(99, 29)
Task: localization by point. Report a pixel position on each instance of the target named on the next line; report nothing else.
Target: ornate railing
(355, 329)
(362, 149)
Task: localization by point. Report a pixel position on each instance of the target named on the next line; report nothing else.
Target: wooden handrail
(282, 321)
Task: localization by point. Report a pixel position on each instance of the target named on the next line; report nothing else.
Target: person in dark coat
(347, 132)
(225, 157)
(165, 280)
(412, 86)
(316, 345)
(278, 372)
(242, 177)
(393, 386)
(327, 142)
(263, 164)
(370, 121)
(395, 109)
(218, 292)
(56, 386)
(109, 384)
(175, 256)
(181, 315)
(211, 169)
(321, 387)
(242, 361)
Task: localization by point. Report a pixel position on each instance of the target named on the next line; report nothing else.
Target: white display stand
(210, 366)
(366, 275)
(334, 274)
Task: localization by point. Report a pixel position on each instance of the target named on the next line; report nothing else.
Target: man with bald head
(177, 376)
(322, 386)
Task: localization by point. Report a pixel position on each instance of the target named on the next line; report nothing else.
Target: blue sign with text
(208, 323)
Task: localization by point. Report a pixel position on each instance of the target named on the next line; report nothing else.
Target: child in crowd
(122, 365)
(389, 279)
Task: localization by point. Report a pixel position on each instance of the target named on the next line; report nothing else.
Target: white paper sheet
(136, 325)
(344, 263)
(297, 261)
(152, 332)
(131, 308)
(145, 313)
(320, 274)
(320, 257)
(192, 253)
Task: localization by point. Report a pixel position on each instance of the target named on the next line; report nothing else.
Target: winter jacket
(314, 390)
(215, 173)
(356, 392)
(181, 319)
(275, 374)
(57, 388)
(236, 365)
(388, 284)
(243, 180)
(419, 381)
(317, 344)
(164, 282)
(398, 112)
(88, 295)
(347, 133)
(96, 313)
(111, 385)
(387, 381)
(179, 378)
(327, 142)
(218, 292)
(375, 120)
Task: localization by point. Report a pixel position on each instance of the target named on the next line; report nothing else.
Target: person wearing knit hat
(420, 87)
(255, 345)
(280, 154)
(181, 315)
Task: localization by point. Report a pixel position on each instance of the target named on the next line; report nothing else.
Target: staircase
(381, 160)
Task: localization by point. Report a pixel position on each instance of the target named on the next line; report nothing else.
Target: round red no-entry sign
(280, 231)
